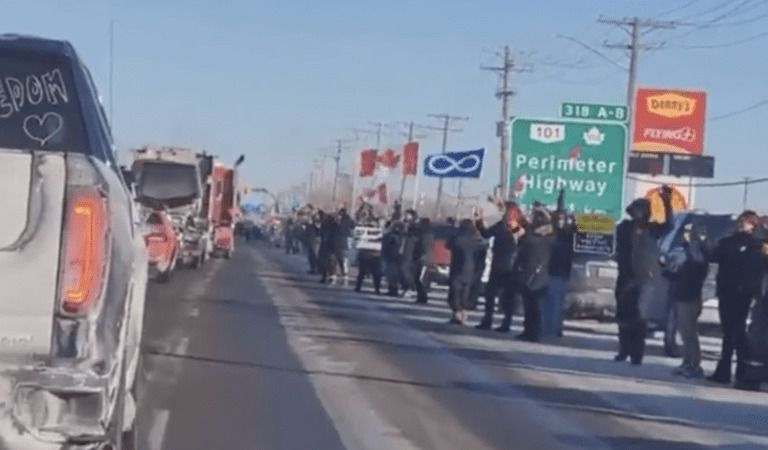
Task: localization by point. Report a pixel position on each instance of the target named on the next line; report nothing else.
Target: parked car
(594, 277)
(72, 260)
(162, 241)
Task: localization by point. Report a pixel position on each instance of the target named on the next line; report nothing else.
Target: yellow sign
(678, 200)
(595, 223)
(671, 105)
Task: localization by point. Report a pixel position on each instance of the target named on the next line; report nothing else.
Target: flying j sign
(586, 158)
(669, 120)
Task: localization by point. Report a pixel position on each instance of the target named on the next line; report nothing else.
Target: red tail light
(85, 249)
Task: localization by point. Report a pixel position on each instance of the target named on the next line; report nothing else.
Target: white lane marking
(194, 312)
(159, 424)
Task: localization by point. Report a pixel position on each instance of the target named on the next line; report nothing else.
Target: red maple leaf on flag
(389, 159)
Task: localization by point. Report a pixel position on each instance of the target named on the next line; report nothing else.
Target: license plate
(607, 272)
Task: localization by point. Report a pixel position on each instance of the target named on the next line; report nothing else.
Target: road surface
(252, 353)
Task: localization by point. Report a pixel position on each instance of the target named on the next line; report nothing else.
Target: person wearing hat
(739, 282)
(506, 234)
(531, 270)
(637, 255)
(686, 268)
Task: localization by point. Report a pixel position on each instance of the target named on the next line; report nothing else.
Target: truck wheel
(227, 254)
(164, 277)
(196, 262)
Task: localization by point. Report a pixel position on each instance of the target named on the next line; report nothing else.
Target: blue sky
(279, 80)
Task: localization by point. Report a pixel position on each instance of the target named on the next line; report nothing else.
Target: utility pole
(447, 119)
(379, 126)
(337, 161)
(633, 26)
(505, 94)
(746, 193)
(410, 136)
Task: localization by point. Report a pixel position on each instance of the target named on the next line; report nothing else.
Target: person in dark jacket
(755, 366)
(739, 282)
(423, 259)
(342, 233)
(637, 255)
(465, 247)
(327, 250)
(505, 234)
(392, 253)
(560, 267)
(311, 238)
(532, 271)
(408, 263)
(686, 270)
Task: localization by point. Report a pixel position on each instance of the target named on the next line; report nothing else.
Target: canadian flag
(379, 192)
(411, 158)
(368, 160)
(389, 159)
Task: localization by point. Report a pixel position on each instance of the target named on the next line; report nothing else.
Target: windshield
(168, 183)
(39, 107)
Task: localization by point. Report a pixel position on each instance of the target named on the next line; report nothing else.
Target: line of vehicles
(79, 237)
(190, 203)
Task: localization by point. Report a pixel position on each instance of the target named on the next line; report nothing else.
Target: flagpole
(356, 166)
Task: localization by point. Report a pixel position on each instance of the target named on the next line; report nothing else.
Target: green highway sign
(586, 158)
(592, 111)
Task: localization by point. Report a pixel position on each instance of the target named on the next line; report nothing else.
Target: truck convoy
(197, 193)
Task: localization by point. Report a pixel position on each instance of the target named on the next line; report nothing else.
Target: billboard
(682, 193)
(669, 120)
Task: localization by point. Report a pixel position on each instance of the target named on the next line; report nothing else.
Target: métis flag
(411, 158)
(368, 162)
(465, 164)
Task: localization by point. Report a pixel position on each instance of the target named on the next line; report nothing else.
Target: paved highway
(251, 353)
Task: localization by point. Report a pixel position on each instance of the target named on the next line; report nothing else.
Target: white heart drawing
(42, 129)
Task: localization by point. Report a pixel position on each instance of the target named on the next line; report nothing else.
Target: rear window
(168, 183)
(39, 107)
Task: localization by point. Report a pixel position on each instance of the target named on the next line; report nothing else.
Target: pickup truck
(72, 260)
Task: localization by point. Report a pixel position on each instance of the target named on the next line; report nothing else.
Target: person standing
(532, 271)
(312, 242)
(506, 234)
(410, 240)
(423, 259)
(391, 252)
(369, 259)
(637, 254)
(739, 282)
(343, 232)
(687, 270)
(327, 252)
(560, 267)
(465, 247)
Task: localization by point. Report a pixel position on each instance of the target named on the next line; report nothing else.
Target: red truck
(224, 207)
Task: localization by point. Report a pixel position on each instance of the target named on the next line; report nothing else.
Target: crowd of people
(531, 263)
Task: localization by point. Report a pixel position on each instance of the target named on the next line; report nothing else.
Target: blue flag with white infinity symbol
(466, 164)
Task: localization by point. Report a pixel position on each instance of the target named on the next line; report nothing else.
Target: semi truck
(174, 180)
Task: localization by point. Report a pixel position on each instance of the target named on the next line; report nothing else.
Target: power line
(677, 8)
(760, 104)
(592, 50)
(725, 44)
(746, 181)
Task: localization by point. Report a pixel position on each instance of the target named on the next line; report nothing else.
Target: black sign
(646, 163)
(691, 166)
(596, 243)
(674, 164)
